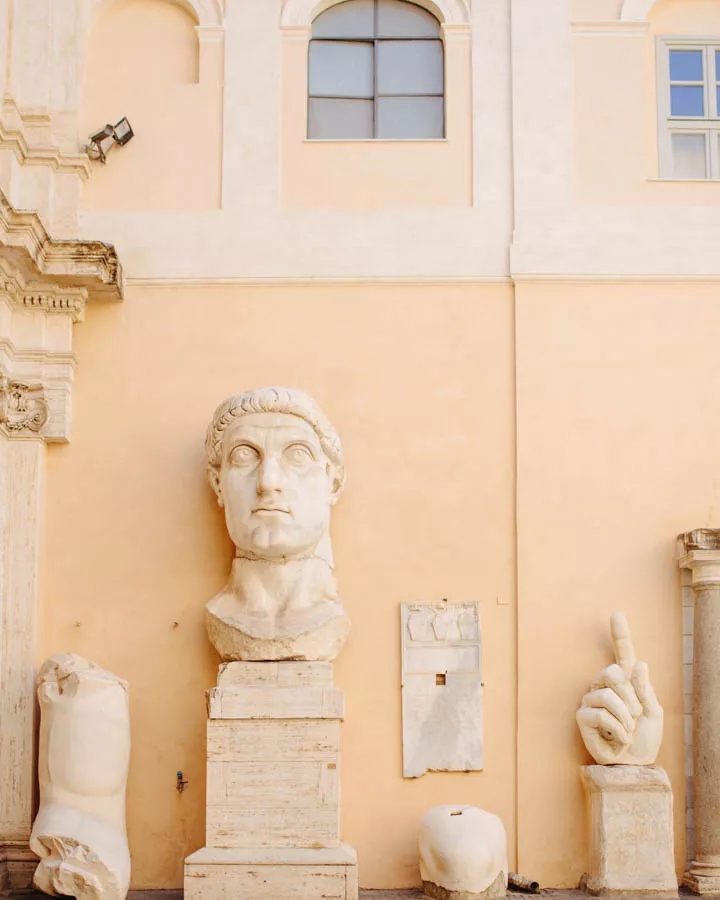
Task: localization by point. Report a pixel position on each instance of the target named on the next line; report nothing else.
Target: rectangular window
(689, 108)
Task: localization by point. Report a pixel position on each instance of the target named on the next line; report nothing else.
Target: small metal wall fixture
(180, 784)
(102, 142)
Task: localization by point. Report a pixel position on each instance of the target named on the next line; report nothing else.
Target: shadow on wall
(143, 62)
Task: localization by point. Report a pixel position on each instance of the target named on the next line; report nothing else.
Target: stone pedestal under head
(273, 787)
(275, 464)
(463, 854)
(79, 832)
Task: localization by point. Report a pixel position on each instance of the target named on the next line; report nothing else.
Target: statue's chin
(274, 543)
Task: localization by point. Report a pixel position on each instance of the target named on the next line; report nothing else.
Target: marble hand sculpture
(79, 832)
(620, 719)
(275, 464)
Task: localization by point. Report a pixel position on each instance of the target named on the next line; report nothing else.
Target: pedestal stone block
(273, 787)
(279, 874)
(631, 831)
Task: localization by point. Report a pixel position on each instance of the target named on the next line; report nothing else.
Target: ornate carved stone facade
(23, 407)
(44, 287)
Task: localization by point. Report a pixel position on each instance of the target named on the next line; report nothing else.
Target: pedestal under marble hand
(275, 464)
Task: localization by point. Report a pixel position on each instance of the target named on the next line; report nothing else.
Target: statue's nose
(269, 475)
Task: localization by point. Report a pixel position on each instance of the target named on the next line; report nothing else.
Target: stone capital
(699, 551)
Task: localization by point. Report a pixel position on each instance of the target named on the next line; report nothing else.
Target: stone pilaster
(699, 551)
(44, 287)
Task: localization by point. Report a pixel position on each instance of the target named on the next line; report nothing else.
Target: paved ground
(377, 895)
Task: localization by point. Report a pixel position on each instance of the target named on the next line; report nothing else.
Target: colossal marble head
(275, 464)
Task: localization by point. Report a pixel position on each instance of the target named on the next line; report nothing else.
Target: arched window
(376, 71)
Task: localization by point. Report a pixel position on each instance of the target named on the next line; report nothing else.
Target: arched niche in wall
(300, 13)
(158, 62)
(205, 12)
(636, 10)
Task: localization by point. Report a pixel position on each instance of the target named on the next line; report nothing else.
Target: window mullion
(375, 63)
(708, 108)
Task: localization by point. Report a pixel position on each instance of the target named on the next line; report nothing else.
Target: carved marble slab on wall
(442, 701)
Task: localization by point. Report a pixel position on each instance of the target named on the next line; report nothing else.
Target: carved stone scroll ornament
(275, 464)
(23, 407)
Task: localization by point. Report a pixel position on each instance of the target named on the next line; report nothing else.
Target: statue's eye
(298, 455)
(243, 455)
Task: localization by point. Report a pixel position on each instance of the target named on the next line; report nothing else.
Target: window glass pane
(398, 19)
(686, 101)
(686, 65)
(410, 67)
(353, 19)
(349, 119)
(689, 155)
(717, 65)
(409, 117)
(340, 69)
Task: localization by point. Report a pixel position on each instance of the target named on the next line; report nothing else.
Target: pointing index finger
(622, 642)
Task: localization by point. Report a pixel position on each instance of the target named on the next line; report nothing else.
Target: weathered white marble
(620, 719)
(463, 853)
(631, 831)
(273, 787)
(442, 701)
(79, 833)
(275, 463)
(268, 874)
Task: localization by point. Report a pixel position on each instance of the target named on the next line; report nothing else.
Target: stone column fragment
(699, 551)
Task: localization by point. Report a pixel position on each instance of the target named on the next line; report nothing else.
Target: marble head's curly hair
(273, 400)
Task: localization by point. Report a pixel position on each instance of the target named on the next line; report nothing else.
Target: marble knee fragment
(463, 853)
(79, 832)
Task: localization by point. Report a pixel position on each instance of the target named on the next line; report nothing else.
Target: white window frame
(707, 125)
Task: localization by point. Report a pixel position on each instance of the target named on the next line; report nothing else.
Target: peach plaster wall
(418, 380)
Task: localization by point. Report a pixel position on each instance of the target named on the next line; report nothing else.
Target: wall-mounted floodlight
(100, 144)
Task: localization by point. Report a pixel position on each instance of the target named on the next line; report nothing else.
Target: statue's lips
(270, 511)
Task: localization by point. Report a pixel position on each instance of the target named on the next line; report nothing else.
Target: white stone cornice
(92, 265)
(614, 28)
(699, 551)
(19, 132)
(40, 295)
